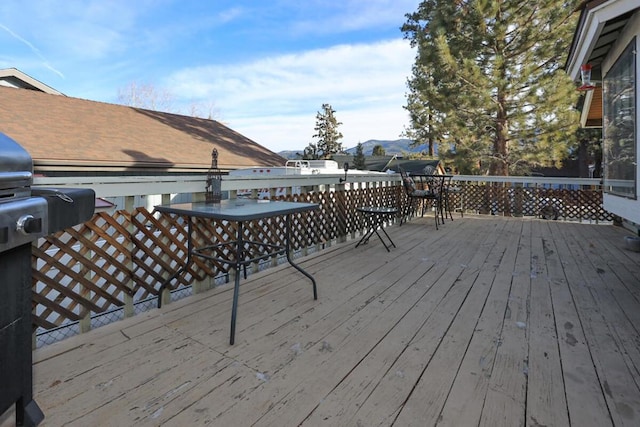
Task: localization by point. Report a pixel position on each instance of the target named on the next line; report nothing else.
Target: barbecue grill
(26, 214)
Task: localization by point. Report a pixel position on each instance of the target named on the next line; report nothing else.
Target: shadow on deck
(487, 321)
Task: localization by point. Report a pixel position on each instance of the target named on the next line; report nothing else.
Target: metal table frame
(376, 217)
(239, 211)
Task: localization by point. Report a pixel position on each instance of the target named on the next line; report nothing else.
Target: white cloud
(228, 15)
(353, 15)
(274, 100)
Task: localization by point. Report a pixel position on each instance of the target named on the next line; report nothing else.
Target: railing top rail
(527, 179)
(113, 186)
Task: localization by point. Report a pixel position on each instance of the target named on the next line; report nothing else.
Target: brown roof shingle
(66, 133)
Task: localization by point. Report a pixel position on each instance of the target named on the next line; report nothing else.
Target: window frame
(619, 102)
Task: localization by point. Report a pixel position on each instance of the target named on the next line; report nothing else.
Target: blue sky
(264, 68)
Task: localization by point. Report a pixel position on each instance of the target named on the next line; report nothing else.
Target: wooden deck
(488, 321)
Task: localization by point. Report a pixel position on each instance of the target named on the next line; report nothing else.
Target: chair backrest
(434, 184)
(407, 183)
(403, 173)
(430, 170)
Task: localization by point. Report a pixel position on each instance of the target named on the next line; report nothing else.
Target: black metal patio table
(238, 211)
(377, 216)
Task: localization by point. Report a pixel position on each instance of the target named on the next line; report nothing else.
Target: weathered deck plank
(361, 394)
(585, 399)
(546, 401)
(487, 321)
(366, 319)
(601, 322)
(505, 400)
(466, 400)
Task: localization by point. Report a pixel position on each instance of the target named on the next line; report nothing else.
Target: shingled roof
(62, 133)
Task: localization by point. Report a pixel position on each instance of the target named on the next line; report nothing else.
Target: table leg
(181, 269)
(288, 250)
(390, 241)
(366, 237)
(372, 224)
(236, 286)
(376, 222)
(380, 225)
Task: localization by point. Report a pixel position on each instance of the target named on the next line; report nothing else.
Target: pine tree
(327, 134)
(488, 81)
(311, 152)
(358, 157)
(378, 150)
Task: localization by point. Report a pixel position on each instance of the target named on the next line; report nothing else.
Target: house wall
(629, 209)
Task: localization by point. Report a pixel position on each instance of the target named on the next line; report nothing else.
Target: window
(619, 127)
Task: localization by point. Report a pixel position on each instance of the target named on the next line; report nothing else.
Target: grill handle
(15, 179)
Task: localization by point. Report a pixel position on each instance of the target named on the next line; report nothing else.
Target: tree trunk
(583, 158)
(499, 165)
(430, 141)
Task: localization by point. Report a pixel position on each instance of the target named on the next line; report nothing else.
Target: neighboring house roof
(384, 163)
(104, 205)
(12, 77)
(69, 134)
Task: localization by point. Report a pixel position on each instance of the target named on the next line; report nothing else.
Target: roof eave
(593, 17)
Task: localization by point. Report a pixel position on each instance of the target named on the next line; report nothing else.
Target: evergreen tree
(488, 81)
(358, 157)
(378, 150)
(421, 108)
(327, 134)
(588, 152)
(311, 152)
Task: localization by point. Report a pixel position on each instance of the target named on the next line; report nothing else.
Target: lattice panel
(91, 268)
(207, 233)
(529, 201)
(323, 217)
(305, 227)
(80, 270)
(350, 202)
(160, 247)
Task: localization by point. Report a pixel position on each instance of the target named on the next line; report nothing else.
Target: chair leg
(460, 199)
(436, 214)
(406, 211)
(447, 206)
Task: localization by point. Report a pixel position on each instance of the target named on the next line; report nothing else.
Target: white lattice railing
(67, 290)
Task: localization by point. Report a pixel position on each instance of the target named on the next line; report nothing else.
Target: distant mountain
(390, 147)
(290, 154)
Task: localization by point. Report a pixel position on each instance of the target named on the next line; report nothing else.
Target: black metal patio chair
(429, 191)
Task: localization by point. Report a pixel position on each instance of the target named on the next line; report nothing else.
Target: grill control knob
(28, 224)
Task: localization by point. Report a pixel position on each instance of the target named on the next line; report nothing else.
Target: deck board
(585, 399)
(487, 321)
(437, 308)
(546, 401)
(505, 400)
(602, 322)
(466, 400)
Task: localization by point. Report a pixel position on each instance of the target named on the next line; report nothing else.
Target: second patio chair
(430, 193)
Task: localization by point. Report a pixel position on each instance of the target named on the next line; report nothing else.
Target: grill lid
(16, 168)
